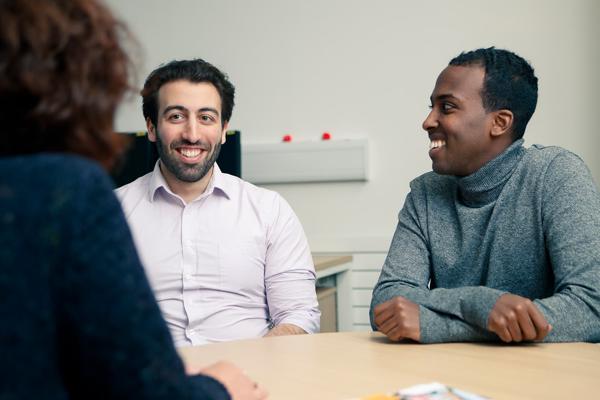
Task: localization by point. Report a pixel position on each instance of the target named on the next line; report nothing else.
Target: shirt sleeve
(457, 314)
(114, 340)
(571, 223)
(289, 271)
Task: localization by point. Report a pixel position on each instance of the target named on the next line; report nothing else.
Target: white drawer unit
(366, 268)
(361, 316)
(354, 286)
(364, 279)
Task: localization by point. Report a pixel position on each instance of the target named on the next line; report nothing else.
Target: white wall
(357, 68)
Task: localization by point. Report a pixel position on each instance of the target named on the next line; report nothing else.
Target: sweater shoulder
(60, 178)
(545, 155)
(48, 196)
(431, 183)
(553, 161)
(52, 166)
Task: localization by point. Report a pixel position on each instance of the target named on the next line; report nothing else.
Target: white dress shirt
(229, 265)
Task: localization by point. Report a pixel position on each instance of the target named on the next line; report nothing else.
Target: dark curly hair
(510, 83)
(63, 73)
(196, 70)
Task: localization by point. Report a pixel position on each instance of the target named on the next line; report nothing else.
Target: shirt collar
(219, 184)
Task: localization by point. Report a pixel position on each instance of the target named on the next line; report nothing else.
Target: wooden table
(326, 265)
(348, 365)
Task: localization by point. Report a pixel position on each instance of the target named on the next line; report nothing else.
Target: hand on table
(237, 383)
(398, 319)
(515, 319)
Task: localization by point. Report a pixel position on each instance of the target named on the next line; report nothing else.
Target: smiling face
(463, 135)
(189, 131)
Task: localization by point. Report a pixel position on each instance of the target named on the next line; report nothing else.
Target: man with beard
(227, 260)
(499, 242)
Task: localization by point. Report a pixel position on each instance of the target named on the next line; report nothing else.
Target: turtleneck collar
(484, 185)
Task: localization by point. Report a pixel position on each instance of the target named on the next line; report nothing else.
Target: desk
(330, 265)
(346, 365)
(340, 267)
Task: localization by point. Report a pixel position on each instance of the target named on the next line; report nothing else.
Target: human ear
(502, 123)
(151, 130)
(224, 132)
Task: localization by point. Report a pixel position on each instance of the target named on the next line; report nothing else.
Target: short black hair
(509, 83)
(196, 70)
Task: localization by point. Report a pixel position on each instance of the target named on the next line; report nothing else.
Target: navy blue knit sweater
(78, 319)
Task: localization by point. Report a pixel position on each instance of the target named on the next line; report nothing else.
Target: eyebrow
(443, 96)
(209, 109)
(182, 108)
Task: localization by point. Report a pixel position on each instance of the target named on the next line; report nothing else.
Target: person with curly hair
(79, 319)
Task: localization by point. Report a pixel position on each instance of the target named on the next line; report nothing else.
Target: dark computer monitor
(230, 157)
(140, 157)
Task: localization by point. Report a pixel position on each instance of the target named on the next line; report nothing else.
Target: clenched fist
(515, 319)
(398, 319)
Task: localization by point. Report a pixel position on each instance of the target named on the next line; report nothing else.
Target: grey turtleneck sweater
(527, 223)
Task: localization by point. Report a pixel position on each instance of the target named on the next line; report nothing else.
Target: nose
(431, 121)
(192, 132)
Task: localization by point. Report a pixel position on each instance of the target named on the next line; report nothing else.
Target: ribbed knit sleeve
(571, 221)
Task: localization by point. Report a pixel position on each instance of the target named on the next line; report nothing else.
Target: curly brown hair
(63, 73)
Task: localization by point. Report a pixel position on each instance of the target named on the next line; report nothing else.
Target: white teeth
(190, 152)
(434, 144)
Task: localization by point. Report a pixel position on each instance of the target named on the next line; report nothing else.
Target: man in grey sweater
(499, 242)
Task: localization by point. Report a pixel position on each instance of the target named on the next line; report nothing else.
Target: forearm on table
(409, 320)
(292, 301)
(440, 328)
(573, 316)
(285, 329)
(407, 272)
(471, 304)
